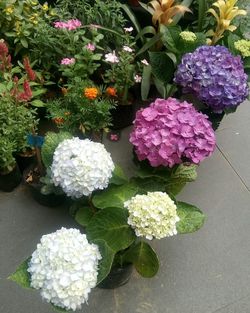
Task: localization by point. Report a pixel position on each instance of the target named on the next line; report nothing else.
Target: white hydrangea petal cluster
(152, 215)
(65, 267)
(81, 166)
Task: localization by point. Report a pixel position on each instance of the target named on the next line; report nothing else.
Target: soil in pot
(9, 181)
(31, 177)
(117, 277)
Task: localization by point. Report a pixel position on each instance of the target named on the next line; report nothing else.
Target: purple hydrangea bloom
(169, 132)
(214, 76)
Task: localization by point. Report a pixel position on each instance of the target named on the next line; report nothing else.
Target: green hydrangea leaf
(118, 177)
(83, 215)
(162, 66)
(106, 262)
(21, 276)
(114, 196)
(144, 259)
(191, 218)
(110, 225)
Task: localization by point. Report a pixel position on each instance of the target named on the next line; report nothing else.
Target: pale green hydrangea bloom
(243, 46)
(153, 215)
(188, 36)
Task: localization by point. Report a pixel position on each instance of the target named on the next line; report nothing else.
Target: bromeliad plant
(114, 219)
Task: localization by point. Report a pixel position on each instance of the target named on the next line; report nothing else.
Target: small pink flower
(144, 62)
(114, 137)
(70, 24)
(127, 49)
(128, 29)
(73, 24)
(68, 61)
(90, 46)
(137, 78)
(111, 57)
(60, 25)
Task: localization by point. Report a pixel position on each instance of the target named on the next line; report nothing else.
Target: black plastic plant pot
(8, 182)
(25, 161)
(117, 277)
(122, 116)
(49, 200)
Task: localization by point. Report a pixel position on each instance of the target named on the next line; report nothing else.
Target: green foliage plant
(84, 108)
(19, 18)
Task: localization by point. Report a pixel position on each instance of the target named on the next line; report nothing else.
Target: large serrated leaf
(105, 264)
(114, 196)
(111, 225)
(21, 276)
(83, 215)
(170, 36)
(185, 171)
(150, 184)
(118, 176)
(144, 259)
(191, 218)
(162, 66)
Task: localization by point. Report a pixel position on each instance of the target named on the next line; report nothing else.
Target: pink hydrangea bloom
(169, 132)
(68, 61)
(127, 49)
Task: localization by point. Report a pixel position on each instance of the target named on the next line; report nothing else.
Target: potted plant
(38, 175)
(83, 109)
(115, 217)
(10, 175)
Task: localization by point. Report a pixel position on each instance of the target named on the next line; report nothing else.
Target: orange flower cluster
(58, 120)
(64, 91)
(111, 91)
(90, 93)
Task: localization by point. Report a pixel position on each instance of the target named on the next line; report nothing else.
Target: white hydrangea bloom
(81, 166)
(153, 215)
(65, 267)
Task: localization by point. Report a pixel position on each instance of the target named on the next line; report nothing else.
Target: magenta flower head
(214, 76)
(170, 132)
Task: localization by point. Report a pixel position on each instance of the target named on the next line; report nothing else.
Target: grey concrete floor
(204, 272)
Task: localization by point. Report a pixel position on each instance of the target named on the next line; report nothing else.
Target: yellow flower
(225, 14)
(9, 10)
(164, 11)
(45, 7)
(243, 46)
(90, 93)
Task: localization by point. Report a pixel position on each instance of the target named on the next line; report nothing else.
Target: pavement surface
(204, 272)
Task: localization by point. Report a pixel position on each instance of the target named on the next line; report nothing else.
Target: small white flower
(153, 215)
(65, 267)
(127, 48)
(111, 57)
(128, 29)
(144, 62)
(137, 78)
(81, 166)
